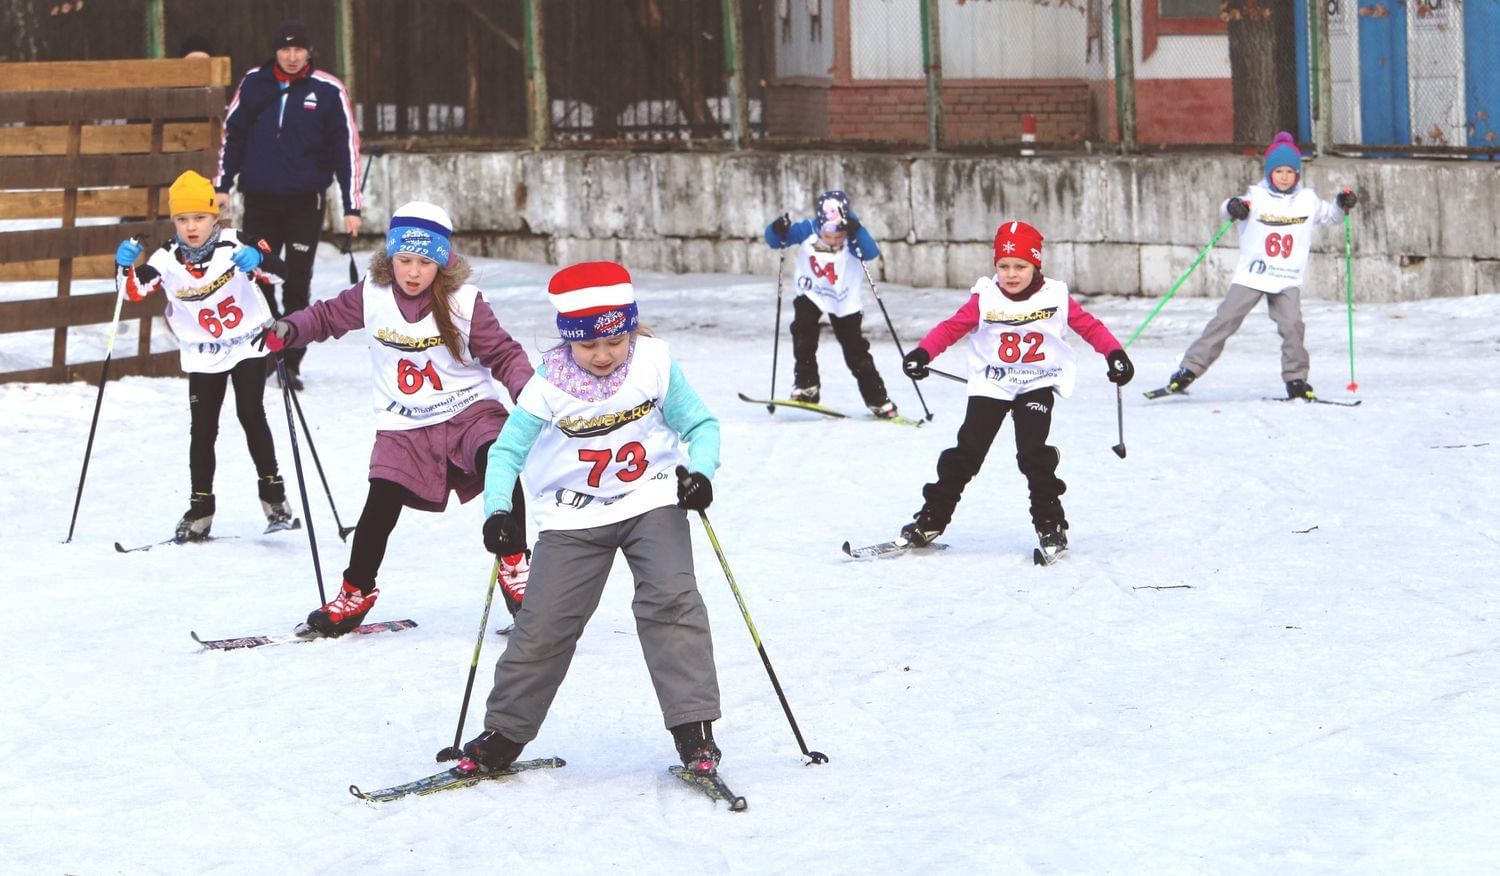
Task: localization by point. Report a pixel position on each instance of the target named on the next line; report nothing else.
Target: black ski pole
(892, 327)
(307, 433)
(454, 752)
(291, 427)
(348, 248)
(776, 338)
(1119, 449)
(88, 449)
(816, 756)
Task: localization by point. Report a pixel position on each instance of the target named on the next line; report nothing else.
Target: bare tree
(1263, 67)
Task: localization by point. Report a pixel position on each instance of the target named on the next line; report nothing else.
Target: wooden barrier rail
(90, 140)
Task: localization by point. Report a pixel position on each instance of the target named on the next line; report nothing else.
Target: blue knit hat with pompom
(1283, 153)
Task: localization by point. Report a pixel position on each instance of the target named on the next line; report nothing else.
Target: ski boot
(924, 528)
(809, 394)
(695, 745)
(198, 520)
(1180, 380)
(346, 612)
(886, 410)
(491, 752)
(1300, 389)
(1053, 538)
(273, 501)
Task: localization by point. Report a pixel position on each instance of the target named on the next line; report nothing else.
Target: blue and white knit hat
(422, 229)
(593, 300)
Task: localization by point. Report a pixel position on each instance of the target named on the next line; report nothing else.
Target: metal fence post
(734, 70)
(932, 63)
(156, 29)
(1322, 84)
(343, 34)
(539, 111)
(1124, 24)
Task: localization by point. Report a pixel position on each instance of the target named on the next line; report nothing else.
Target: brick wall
(1184, 111)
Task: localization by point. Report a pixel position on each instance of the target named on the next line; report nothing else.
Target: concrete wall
(1115, 225)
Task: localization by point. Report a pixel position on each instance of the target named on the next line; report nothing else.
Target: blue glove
(127, 252)
(246, 258)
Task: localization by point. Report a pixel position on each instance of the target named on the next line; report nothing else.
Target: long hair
(448, 279)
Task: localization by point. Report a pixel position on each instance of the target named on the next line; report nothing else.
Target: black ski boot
(1300, 389)
(272, 492)
(1180, 380)
(924, 528)
(1053, 538)
(198, 520)
(695, 745)
(492, 751)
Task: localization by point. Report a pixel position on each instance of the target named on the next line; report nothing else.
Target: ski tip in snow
(712, 784)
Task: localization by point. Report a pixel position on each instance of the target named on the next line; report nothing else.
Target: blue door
(1385, 116)
(1482, 73)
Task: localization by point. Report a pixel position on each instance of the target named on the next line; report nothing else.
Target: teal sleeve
(685, 412)
(507, 457)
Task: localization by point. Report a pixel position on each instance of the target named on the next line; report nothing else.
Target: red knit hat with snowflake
(593, 300)
(1017, 240)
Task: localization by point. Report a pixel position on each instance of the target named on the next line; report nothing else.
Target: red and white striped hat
(593, 300)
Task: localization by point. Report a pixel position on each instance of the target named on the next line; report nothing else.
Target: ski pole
(776, 338)
(892, 327)
(348, 248)
(109, 352)
(1349, 298)
(1119, 449)
(291, 427)
(816, 756)
(454, 752)
(1180, 280)
(307, 433)
(941, 373)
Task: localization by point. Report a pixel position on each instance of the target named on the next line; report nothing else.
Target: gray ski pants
(1285, 308)
(568, 571)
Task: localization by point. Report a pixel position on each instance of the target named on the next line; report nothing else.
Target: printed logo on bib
(592, 427)
(406, 343)
(198, 293)
(1019, 319)
(1265, 219)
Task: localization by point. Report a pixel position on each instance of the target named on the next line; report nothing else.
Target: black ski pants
(295, 223)
(206, 401)
(1031, 413)
(848, 330)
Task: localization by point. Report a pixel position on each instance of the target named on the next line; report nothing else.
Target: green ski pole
(1180, 280)
(1349, 298)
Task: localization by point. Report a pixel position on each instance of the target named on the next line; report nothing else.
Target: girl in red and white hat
(614, 446)
(437, 351)
(1018, 323)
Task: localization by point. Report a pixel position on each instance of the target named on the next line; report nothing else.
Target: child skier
(1019, 359)
(435, 345)
(599, 433)
(216, 303)
(1275, 219)
(829, 273)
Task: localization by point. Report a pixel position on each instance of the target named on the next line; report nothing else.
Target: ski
(1321, 401)
(297, 636)
(827, 412)
(284, 526)
(146, 547)
(712, 784)
(890, 549)
(466, 774)
(1042, 558)
(1163, 391)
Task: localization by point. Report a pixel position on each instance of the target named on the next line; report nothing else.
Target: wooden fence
(88, 139)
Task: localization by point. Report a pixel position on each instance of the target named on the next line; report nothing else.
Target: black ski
(146, 547)
(890, 549)
(1163, 391)
(712, 784)
(466, 774)
(302, 633)
(1321, 401)
(827, 412)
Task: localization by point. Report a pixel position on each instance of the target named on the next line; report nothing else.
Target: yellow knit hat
(192, 193)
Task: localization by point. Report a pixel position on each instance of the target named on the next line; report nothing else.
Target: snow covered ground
(1273, 648)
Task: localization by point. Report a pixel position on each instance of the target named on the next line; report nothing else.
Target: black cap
(291, 33)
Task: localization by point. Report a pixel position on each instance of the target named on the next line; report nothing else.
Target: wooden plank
(73, 310)
(96, 104)
(85, 268)
(95, 171)
(91, 203)
(165, 73)
(166, 364)
(63, 243)
(105, 139)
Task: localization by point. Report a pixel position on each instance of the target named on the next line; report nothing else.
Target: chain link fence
(1354, 76)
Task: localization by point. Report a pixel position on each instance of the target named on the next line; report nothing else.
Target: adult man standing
(288, 133)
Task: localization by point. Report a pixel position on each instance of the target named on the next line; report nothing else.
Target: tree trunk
(1263, 64)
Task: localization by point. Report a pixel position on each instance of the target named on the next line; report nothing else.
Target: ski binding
(710, 783)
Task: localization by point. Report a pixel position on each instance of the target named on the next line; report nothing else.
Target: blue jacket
(291, 141)
(862, 244)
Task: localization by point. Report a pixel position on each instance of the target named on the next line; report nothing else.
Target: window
(1177, 17)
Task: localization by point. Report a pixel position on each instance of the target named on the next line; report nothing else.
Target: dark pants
(378, 520)
(294, 222)
(1032, 414)
(848, 331)
(206, 401)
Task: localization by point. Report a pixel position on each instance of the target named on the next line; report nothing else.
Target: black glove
(1346, 200)
(502, 535)
(1237, 209)
(694, 491)
(781, 226)
(915, 363)
(1120, 369)
(851, 224)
